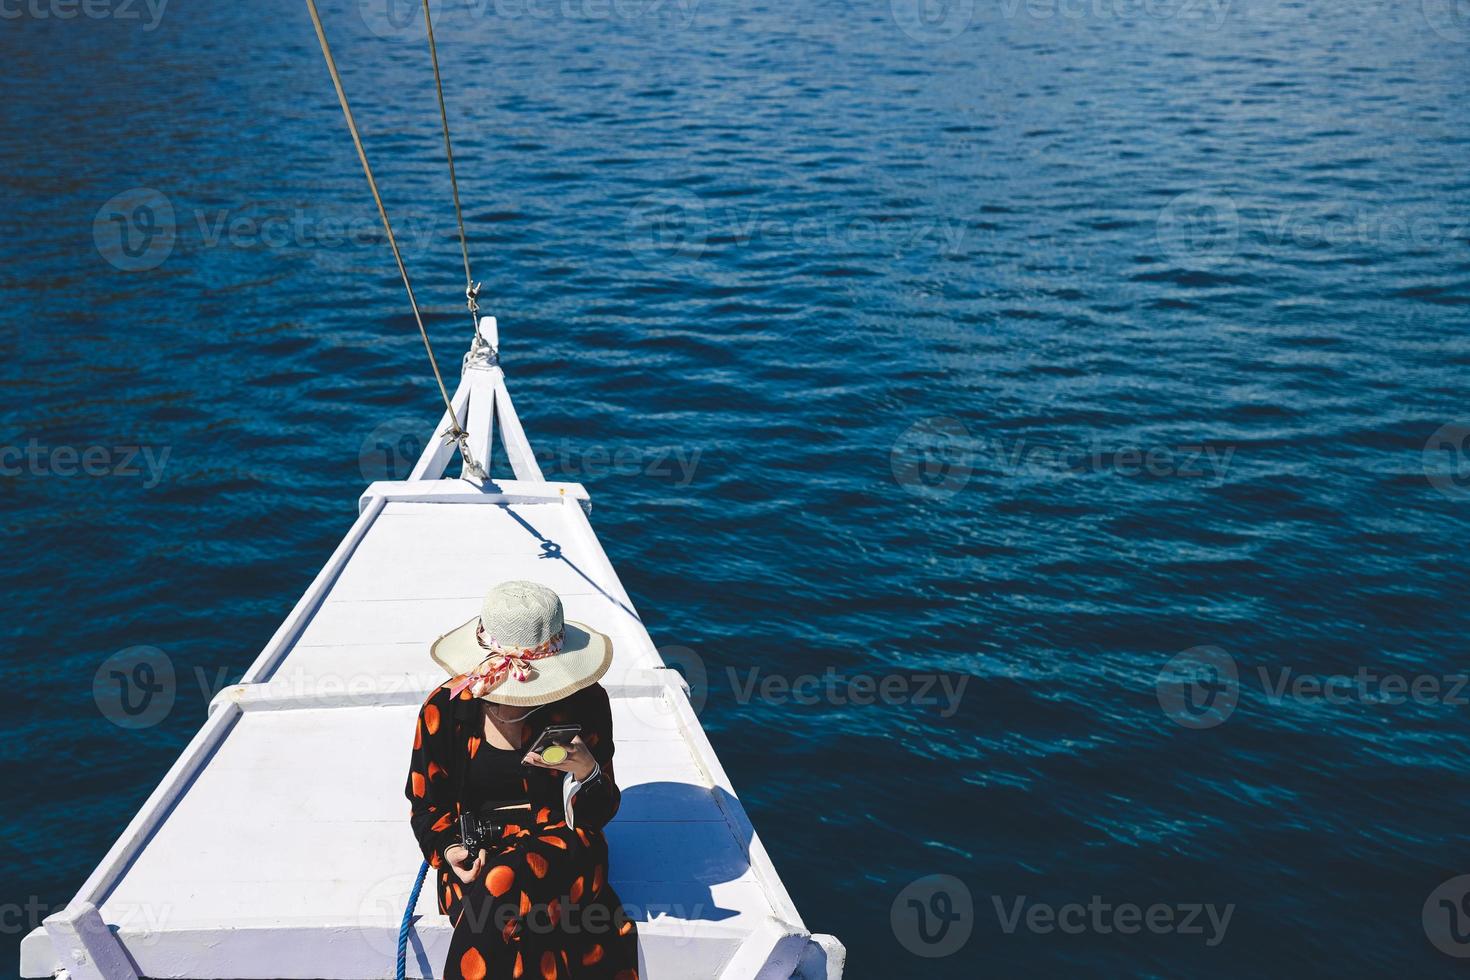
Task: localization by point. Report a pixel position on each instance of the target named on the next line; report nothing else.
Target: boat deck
(278, 845)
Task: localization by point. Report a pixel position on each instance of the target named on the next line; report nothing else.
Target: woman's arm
(590, 794)
(433, 812)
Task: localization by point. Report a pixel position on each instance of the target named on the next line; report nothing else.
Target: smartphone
(555, 737)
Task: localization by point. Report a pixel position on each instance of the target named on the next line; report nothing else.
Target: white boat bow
(278, 845)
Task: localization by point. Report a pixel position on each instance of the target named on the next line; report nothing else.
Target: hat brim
(585, 656)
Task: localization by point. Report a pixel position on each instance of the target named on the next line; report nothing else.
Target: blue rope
(413, 900)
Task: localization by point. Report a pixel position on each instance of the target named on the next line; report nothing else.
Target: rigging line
(455, 432)
(471, 288)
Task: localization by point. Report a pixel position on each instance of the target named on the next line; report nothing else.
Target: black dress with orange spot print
(495, 776)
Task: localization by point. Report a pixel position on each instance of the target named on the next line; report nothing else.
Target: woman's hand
(579, 761)
(458, 857)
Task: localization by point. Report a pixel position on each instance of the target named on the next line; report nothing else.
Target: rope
(455, 432)
(471, 288)
(413, 900)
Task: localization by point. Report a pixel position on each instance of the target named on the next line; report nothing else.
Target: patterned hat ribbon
(503, 661)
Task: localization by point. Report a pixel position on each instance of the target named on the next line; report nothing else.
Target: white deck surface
(279, 845)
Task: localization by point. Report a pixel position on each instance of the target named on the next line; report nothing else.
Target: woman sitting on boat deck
(523, 876)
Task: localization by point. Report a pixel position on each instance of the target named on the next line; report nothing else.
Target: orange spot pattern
(551, 852)
(472, 964)
(499, 880)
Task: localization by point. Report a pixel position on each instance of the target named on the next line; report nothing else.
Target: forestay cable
(455, 432)
(471, 288)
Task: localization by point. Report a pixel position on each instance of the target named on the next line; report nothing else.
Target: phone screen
(555, 735)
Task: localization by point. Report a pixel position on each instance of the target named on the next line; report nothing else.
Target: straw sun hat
(520, 651)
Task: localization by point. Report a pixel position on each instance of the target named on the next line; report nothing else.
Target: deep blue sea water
(1021, 345)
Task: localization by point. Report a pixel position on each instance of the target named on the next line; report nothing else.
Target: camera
(473, 832)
